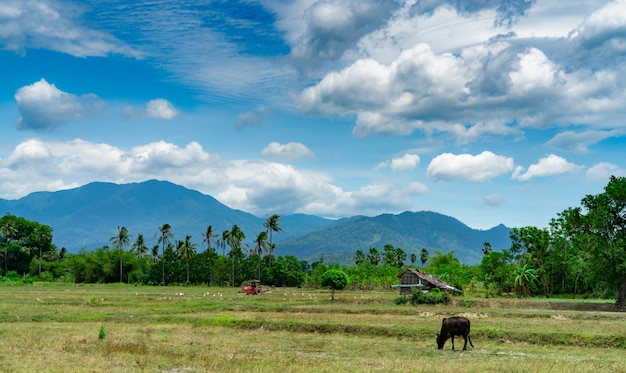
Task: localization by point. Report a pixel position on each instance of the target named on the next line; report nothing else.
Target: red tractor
(252, 287)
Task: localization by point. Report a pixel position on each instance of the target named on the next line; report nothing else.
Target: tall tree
(531, 245)
(373, 256)
(8, 229)
(120, 240)
(260, 245)
(424, 256)
(272, 224)
(186, 250)
(207, 237)
(235, 238)
(223, 241)
(166, 235)
(140, 248)
(605, 223)
(43, 240)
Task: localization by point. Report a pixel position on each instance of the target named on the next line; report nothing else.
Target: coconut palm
(235, 237)
(186, 250)
(8, 231)
(424, 256)
(166, 234)
(272, 225)
(208, 235)
(121, 239)
(42, 240)
(140, 248)
(261, 245)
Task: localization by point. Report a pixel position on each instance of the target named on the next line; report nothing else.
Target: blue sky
(488, 111)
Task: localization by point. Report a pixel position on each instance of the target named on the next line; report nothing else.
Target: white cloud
(286, 152)
(478, 168)
(550, 165)
(405, 162)
(258, 187)
(579, 142)
(44, 107)
(56, 26)
(161, 108)
(602, 171)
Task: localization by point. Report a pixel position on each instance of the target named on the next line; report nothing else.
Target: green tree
(272, 224)
(532, 245)
(120, 240)
(260, 245)
(359, 257)
(334, 279)
(8, 230)
(524, 278)
(43, 241)
(373, 256)
(605, 225)
(208, 235)
(165, 235)
(413, 258)
(186, 250)
(487, 248)
(139, 248)
(235, 238)
(424, 256)
(496, 269)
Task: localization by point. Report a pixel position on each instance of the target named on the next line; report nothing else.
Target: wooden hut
(412, 278)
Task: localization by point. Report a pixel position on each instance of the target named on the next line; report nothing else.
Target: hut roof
(430, 279)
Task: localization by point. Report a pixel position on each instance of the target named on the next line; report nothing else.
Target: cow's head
(441, 340)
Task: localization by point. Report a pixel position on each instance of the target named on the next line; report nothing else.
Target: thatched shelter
(412, 278)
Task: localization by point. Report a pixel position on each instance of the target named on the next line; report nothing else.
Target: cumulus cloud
(286, 152)
(493, 200)
(44, 107)
(405, 162)
(394, 87)
(331, 27)
(256, 186)
(161, 108)
(478, 168)
(601, 172)
(54, 25)
(550, 165)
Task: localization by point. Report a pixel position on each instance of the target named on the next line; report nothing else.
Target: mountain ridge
(87, 216)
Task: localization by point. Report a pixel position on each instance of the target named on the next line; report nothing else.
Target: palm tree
(223, 241)
(235, 237)
(42, 239)
(186, 251)
(8, 231)
(140, 248)
(120, 240)
(271, 225)
(207, 238)
(261, 245)
(525, 277)
(424, 256)
(166, 234)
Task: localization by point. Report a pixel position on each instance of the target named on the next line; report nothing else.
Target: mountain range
(88, 216)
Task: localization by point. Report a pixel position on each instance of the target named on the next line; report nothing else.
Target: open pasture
(122, 328)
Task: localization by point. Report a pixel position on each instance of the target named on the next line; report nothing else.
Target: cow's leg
(452, 341)
(470, 339)
(465, 345)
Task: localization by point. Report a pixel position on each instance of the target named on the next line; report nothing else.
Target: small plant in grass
(102, 333)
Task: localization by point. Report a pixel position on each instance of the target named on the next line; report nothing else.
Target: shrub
(431, 297)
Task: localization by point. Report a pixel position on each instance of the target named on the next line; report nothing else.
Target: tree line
(582, 252)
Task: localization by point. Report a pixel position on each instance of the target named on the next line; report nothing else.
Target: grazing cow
(454, 326)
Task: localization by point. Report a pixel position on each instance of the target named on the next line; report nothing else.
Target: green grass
(57, 328)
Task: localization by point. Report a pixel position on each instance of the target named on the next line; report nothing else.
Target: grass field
(122, 328)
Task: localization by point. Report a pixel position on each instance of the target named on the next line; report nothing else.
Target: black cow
(454, 326)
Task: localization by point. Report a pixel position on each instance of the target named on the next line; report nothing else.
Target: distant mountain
(86, 217)
(410, 231)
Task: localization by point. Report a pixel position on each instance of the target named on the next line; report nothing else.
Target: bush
(435, 296)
